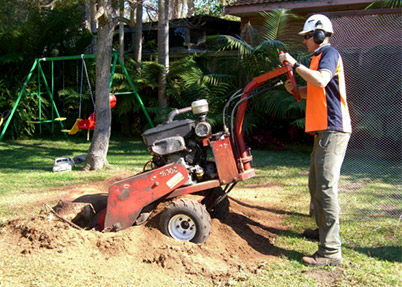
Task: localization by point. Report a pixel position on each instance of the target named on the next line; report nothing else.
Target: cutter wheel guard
(180, 166)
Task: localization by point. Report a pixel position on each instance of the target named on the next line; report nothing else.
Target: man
(327, 117)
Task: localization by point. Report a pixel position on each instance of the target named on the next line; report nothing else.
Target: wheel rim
(182, 227)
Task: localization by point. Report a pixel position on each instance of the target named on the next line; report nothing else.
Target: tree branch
(99, 13)
(48, 4)
(125, 21)
(62, 218)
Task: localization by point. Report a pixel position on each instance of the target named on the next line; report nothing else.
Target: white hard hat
(317, 22)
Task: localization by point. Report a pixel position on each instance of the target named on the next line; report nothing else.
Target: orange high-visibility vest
(326, 108)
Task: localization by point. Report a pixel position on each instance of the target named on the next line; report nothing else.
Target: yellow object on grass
(74, 129)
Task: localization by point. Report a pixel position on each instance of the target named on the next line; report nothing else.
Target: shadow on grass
(387, 253)
(273, 210)
(364, 169)
(258, 236)
(266, 159)
(33, 157)
(246, 228)
(36, 156)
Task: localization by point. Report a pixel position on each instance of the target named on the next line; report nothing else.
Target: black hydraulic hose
(229, 188)
(252, 94)
(231, 127)
(235, 95)
(223, 196)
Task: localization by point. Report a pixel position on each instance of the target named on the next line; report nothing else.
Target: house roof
(196, 21)
(248, 7)
(256, 2)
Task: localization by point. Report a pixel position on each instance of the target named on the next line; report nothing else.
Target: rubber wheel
(221, 210)
(186, 220)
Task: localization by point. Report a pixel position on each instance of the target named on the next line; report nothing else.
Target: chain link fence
(371, 47)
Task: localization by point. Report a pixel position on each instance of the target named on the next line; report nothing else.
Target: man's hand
(288, 86)
(302, 90)
(286, 57)
(316, 78)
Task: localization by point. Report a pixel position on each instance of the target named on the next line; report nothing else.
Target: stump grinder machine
(180, 166)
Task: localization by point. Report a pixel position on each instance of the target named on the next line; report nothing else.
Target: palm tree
(255, 60)
(199, 76)
(385, 4)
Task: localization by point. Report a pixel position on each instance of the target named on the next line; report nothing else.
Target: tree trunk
(174, 10)
(121, 32)
(178, 8)
(88, 15)
(94, 43)
(163, 50)
(190, 8)
(96, 158)
(138, 33)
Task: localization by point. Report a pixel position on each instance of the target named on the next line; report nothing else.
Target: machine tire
(221, 210)
(186, 219)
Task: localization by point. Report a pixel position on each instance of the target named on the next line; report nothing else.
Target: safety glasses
(308, 36)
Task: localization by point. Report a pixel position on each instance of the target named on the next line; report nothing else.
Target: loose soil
(42, 250)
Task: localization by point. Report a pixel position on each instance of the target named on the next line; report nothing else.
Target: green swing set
(87, 124)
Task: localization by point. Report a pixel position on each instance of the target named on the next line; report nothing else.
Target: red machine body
(128, 197)
(188, 172)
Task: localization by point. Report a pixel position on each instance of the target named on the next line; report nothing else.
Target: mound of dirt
(237, 245)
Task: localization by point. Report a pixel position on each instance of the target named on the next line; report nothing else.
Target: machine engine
(184, 142)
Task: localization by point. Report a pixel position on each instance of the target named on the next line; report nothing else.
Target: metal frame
(50, 91)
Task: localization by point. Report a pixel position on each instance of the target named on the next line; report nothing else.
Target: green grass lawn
(27, 165)
(372, 245)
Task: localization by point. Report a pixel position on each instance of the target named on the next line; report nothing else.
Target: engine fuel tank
(184, 128)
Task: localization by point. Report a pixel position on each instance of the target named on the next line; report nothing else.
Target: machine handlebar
(291, 77)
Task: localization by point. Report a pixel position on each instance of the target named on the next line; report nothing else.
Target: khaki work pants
(325, 168)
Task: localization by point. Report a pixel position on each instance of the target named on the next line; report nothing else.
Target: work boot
(313, 234)
(316, 260)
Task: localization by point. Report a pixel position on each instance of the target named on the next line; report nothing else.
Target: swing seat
(5, 115)
(74, 129)
(88, 124)
(46, 121)
(112, 100)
